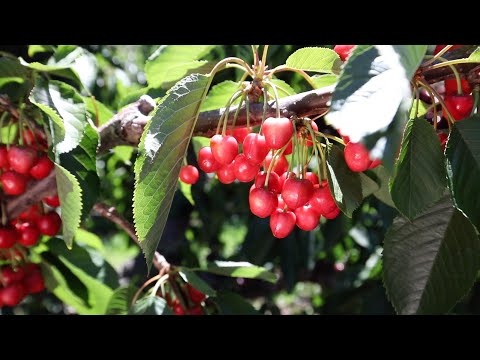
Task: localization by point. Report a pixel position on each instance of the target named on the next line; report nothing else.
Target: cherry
(206, 160)
(177, 308)
(49, 224)
(273, 181)
(282, 223)
(297, 192)
(13, 183)
(443, 139)
(189, 174)
(346, 139)
(3, 157)
(322, 201)
(226, 173)
(8, 237)
(12, 295)
(289, 148)
(280, 165)
(375, 163)
(195, 295)
(357, 157)
(245, 171)
(460, 106)
(21, 159)
(262, 202)
(309, 141)
(10, 276)
(284, 177)
(277, 132)
(439, 48)
(29, 234)
(452, 89)
(281, 204)
(343, 51)
(42, 168)
(224, 148)
(255, 148)
(54, 201)
(28, 137)
(333, 214)
(197, 310)
(34, 282)
(239, 134)
(32, 214)
(307, 218)
(312, 177)
(30, 268)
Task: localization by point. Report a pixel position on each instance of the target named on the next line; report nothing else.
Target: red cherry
(375, 163)
(289, 148)
(28, 137)
(312, 177)
(42, 168)
(30, 268)
(309, 141)
(460, 106)
(34, 282)
(239, 134)
(189, 174)
(343, 51)
(54, 201)
(245, 171)
(443, 139)
(322, 201)
(197, 310)
(273, 181)
(21, 159)
(284, 177)
(297, 192)
(29, 234)
(10, 276)
(12, 295)
(32, 214)
(224, 148)
(4, 157)
(282, 223)
(280, 166)
(206, 160)
(452, 89)
(307, 218)
(357, 157)
(195, 295)
(255, 148)
(226, 173)
(13, 183)
(262, 202)
(8, 237)
(177, 308)
(277, 132)
(438, 48)
(281, 204)
(49, 224)
(346, 139)
(333, 214)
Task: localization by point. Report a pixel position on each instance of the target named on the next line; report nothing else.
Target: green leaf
(86, 238)
(79, 278)
(11, 79)
(81, 162)
(420, 179)
(96, 109)
(382, 178)
(430, 263)
(150, 305)
(315, 59)
(321, 81)
(422, 108)
(186, 190)
(463, 166)
(475, 56)
(171, 63)
(369, 186)
(230, 303)
(70, 194)
(10, 71)
(239, 269)
(36, 49)
(372, 97)
(283, 88)
(120, 300)
(219, 95)
(192, 278)
(161, 150)
(66, 110)
(345, 185)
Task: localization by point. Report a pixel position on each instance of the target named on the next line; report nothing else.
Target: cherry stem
(264, 58)
(294, 146)
(4, 213)
(287, 68)
(247, 110)
(265, 105)
(2, 119)
(323, 157)
(276, 155)
(148, 282)
(436, 56)
(440, 99)
(315, 150)
(449, 63)
(457, 75)
(242, 99)
(475, 97)
(275, 93)
(227, 110)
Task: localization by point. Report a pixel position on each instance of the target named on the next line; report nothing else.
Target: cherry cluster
(192, 305)
(17, 282)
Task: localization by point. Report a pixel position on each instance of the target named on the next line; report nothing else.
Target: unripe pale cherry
(277, 132)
